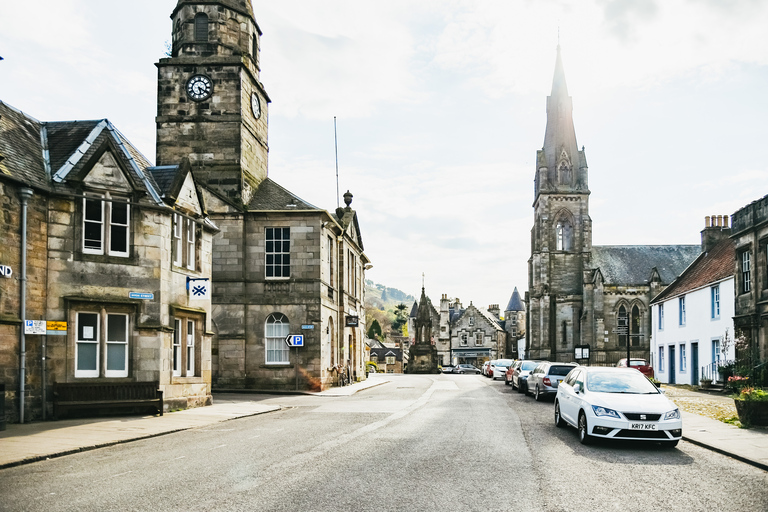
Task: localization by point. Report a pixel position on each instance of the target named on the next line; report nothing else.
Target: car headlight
(672, 415)
(604, 411)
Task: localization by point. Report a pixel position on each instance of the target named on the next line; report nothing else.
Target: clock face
(199, 87)
(255, 105)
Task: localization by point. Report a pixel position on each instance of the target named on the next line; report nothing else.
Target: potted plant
(656, 382)
(752, 406)
(705, 383)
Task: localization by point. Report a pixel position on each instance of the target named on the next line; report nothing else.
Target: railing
(712, 371)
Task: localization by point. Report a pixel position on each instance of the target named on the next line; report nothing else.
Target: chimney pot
(726, 220)
(706, 221)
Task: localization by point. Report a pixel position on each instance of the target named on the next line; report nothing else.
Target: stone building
(422, 354)
(476, 336)
(580, 294)
(103, 247)
(514, 323)
(280, 265)
(749, 231)
(387, 359)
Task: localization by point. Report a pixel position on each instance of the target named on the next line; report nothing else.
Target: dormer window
(201, 27)
(106, 226)
(184, 242)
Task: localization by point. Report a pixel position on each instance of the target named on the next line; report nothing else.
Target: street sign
(6, 271)
(34, 326)
(56, 328)
(307, 327)
(294, 340)
(352, 321)
(141, 295)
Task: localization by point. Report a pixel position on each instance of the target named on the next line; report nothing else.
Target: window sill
(276, 365)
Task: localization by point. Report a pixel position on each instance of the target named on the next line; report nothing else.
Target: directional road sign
(294, 340)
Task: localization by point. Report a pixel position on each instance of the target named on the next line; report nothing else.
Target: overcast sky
(441, 106)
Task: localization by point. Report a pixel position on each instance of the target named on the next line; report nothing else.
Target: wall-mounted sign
(56, 328)
(352, 321)
(294, 340)
(6, 271)
(307, 327)
(34, 326)
(141, 295)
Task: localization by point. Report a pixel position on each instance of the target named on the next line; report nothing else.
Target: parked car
(486, 365)
(447, 368)
(545, 378)
(640, 364)
(520, 374)
(510, 371)
(616, 403)
(499, 368)
(466, 368)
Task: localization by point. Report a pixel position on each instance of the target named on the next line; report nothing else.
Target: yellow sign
(56, 326)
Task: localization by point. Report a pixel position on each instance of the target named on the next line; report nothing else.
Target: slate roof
(515, 302)
(21, 147)
(65, 137)
(164, 177)
(632, 264)
(414, 310)
(271, 196)
(709, 268)
(381, 353)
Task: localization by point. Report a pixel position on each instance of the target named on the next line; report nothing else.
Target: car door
(566, 397)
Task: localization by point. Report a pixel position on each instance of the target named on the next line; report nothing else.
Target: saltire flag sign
(199, 289)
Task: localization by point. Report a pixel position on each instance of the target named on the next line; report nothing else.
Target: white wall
(699, 328)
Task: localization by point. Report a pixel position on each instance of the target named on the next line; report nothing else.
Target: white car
(499, 368)
(616, 403)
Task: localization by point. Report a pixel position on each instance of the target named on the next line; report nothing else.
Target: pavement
(31, 442)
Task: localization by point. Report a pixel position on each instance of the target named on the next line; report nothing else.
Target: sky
(440, 107)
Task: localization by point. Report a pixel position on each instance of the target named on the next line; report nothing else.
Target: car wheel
(584, 436)
(512, 383)
(526, 391)
(670, 444)
(559, 423)
(519, 387)
(537, 394)
(506, 382)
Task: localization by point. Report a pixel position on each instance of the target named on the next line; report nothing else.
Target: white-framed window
(177, 333)
(276, 328)
(101, 335)
(661, 359)
(681, 302)
(479, 335)
(390, 359)
(106, 226)
(746, 272)
(683, 359)
(184, 247)
(715, 292)
(471, 320)
(661, 317)
(464, 340)
(190, 348)
(716, 350)
(278, 253)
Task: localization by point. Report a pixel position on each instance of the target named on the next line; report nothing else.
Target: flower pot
(752, 412)
(705, 383)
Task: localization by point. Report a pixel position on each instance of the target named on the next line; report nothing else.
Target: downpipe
(25, 194)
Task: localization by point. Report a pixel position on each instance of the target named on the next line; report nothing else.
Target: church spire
(562, 167)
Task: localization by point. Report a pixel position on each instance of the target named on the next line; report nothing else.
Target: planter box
(752, 412)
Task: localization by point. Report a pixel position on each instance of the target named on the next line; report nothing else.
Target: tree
(374, 332)
(401, 319)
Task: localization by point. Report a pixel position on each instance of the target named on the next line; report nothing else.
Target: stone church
(580, 294)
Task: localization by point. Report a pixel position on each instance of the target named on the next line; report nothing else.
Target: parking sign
(294, 340)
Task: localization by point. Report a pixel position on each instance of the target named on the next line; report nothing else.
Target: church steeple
(562, 167)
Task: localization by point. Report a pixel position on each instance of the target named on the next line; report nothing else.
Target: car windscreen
(528, 365)
(638, 362)
(504, 362)
(560, 370)
(631, 382)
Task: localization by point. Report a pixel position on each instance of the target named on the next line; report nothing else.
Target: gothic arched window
(622, 324)
(564, 170)
(564, 235)
(201, 27)
(635, 326)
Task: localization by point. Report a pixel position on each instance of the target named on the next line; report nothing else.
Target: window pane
(87, 326)
(118, 240)
(117, 328)
(119, 213)
(86, 356)
(201, 27)
(92, 236)
(93, 210)
(116, 356)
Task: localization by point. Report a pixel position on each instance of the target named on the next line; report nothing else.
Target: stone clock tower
(561, 238)
(211, 106)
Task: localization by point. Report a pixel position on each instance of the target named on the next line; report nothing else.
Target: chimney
(715, 229)
(495, 311)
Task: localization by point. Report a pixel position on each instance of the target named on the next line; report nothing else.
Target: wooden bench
(106, 395)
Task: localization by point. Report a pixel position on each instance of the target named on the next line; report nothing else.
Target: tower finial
(422, 280)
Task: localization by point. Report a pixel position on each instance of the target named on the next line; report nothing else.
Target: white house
(692, 319)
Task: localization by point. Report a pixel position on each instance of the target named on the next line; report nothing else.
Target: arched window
(622, 325)
(276, 328)
(565, 173)
(635, 326)
(201, 27)
(564, 235)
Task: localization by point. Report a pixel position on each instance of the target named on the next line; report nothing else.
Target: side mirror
(577, 388)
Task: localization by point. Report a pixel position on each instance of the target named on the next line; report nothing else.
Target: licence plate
(642, 426)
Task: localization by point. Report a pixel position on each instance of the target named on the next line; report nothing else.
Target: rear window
(638, 362)
(528, 365)
(504, 362)
(560, 370)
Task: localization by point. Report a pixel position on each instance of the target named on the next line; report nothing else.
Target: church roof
(271, 196)
(709, 268)
(632, 264)
(515, 302)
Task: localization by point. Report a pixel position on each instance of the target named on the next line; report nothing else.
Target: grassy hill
(383, 298)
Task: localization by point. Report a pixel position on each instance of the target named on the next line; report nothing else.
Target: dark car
(466, 368)
(545, 378)
(520, 374)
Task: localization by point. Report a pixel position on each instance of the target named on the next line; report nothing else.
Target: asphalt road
(432, 442)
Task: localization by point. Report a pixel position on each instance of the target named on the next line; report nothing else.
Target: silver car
(498, 368)
(520, 375)
(545, 378)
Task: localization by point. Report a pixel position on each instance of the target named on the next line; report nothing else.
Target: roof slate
(515, 302)
(64, 137)
(709, 268)
(632, 264)
(21, 147)
(271, 196)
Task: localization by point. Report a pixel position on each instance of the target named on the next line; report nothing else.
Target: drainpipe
(24, 194)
